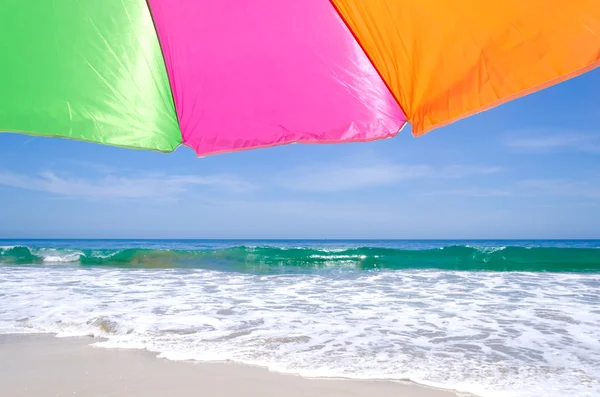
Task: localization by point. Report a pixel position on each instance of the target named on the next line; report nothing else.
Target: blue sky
(526, 169)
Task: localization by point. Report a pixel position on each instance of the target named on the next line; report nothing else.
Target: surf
(273, 259)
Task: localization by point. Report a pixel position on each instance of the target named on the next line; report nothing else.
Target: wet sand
(46, 366)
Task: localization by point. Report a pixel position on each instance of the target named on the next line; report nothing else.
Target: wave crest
(272, 259)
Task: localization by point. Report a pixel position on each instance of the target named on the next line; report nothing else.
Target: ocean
(492, 318)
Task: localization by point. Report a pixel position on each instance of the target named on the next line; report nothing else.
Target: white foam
(50, 255)
(492, 334)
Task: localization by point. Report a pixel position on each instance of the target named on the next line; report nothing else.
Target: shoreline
(37, 365)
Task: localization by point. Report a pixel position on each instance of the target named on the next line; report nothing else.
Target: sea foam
(488, 333)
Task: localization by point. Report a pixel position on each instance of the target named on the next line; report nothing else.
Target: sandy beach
(43, 365)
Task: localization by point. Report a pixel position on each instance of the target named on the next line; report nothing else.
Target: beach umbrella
(228, 75)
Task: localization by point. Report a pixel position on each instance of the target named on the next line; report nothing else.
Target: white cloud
(342, 177)
(561, 187)
(532, 187)
(546, 141)
(364, 173)
(111, 187)
(93, 166)
(471, 192)
(313, 218)
(466, 171)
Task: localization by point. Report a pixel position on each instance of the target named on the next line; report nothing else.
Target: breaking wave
(270, 259)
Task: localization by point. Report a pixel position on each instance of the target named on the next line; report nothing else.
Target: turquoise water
(301, 256)
(494, 318)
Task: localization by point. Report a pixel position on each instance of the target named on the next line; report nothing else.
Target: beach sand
(46, 366)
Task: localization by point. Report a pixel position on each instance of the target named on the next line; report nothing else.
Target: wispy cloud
(342, 177)
(533, 187)
(466, 171)
(561, 187)
(113, 187)
(548, 141)
(589, 204)
(364, 173)
(100, 168)
(348, 218)
(471, 192)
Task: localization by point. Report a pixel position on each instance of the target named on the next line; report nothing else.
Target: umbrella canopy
(227, 75)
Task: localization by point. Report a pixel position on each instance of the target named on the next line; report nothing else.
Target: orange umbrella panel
(445, 60)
